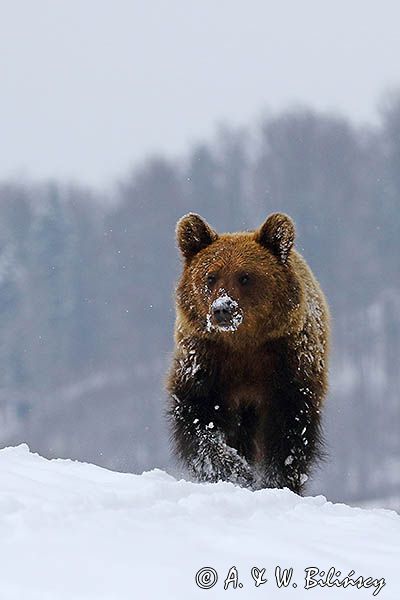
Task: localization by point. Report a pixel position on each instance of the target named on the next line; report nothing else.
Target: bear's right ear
(193, 234)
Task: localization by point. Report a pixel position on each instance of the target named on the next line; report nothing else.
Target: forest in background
(87, 282)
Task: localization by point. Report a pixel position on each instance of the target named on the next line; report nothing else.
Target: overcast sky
(90, 87)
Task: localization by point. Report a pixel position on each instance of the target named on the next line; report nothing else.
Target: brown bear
(249, 374)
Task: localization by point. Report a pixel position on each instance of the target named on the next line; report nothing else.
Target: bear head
(242, 286)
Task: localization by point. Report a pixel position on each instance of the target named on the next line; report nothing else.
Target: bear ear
(277, 234)
(193, 234)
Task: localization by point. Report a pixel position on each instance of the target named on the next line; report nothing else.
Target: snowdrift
(72, 531)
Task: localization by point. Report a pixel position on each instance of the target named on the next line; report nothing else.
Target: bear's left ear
(277, 234)
(193, 234)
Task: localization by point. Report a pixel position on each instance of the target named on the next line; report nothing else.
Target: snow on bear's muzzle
(225, 314)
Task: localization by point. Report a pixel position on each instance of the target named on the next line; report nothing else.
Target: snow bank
(72, 531)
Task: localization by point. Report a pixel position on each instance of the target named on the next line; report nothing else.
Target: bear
(250, 368)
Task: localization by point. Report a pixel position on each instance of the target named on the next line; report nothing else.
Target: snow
(73, 531)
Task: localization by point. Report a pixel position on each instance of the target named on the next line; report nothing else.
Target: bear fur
(249, 374)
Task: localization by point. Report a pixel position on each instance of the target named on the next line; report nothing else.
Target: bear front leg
(293, 437)
(200, 442)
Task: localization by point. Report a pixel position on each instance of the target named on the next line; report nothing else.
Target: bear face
(239, 288)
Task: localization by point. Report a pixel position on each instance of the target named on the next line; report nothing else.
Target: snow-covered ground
(72, 531)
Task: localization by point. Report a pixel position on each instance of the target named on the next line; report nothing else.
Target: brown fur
(268, 376)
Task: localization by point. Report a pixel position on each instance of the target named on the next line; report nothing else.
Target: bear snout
(225, 313)
(222, 310)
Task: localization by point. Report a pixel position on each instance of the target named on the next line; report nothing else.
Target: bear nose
(222, 311)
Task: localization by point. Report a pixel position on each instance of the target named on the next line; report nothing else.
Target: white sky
(90, 87)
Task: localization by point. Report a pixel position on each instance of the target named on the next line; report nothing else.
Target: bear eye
(211, 279)
(244, 279)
